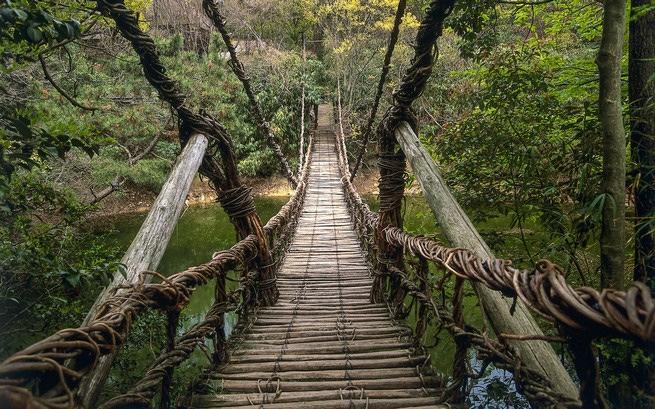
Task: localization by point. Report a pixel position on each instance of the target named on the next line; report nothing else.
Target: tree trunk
(642, 138)
(536, 355)
(301, 152)
(147, 249)
(641, 88)
(612, 237)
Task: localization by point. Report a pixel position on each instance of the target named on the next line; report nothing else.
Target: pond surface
(205, 229)
(201, 231)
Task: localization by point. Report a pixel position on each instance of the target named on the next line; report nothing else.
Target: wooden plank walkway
(323, 344)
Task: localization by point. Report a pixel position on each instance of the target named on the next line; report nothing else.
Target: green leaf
(20, 14)
(45, 17)
(34, 35)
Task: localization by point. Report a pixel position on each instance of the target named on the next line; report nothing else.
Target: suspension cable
(393, 39)
(212, 11)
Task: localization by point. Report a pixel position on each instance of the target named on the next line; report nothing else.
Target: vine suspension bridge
(335, 337)
(326, 285)
(323, 343)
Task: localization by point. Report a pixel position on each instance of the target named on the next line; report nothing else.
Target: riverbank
(132, 200)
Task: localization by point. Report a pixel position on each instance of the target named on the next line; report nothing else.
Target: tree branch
(120, 180)
(59, 89)
(147, 150)
(214, 14)
(393, 39)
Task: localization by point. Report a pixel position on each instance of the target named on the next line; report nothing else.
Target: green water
(203, 230)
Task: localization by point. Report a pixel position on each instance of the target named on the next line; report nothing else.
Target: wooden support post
(422, 274)
(239, 204)
(392, 164)
(220, 296)
(461, 345)
(586, 366)
(167, 382)
(147, 249)
(536, 355)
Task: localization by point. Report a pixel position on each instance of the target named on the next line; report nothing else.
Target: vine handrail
(279, 230)
(583, 310)
(49, 372)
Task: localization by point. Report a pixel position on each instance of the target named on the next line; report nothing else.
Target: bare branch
(393, 39)
(59, 89)
(120, 180)
(214, 14)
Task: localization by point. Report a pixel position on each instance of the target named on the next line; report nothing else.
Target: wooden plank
(290, 397)
(537, 355)
(148, 247)
(410, 382)
(333, 364)
(323, 336)
(321, 400)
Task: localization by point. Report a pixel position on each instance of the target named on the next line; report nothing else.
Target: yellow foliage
(344, 47)
(351, 6)
(375, 14)
(140, 7)
(410, 21)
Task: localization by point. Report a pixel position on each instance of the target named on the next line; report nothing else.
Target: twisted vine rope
(289, 212)
(142, 393)
(393, 39)
(213, 12)
(237, 202)
(418, 73)
(55, 366)
(629, 314)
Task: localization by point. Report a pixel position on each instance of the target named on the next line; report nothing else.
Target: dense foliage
(511, 114)
(77, 117)
(520, 133)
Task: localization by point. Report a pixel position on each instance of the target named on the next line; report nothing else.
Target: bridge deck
(323, 345)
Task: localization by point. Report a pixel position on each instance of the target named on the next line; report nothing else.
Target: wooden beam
(147, 249)
(536, 355)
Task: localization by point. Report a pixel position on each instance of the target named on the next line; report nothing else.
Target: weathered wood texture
(148, 247)
(325, 343)
(457, 227)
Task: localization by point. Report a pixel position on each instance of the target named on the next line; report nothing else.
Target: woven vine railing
(410, 273)
(432, 277)
(47, 373)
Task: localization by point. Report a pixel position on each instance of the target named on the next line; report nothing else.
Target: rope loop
(392, 182)
(237, 202)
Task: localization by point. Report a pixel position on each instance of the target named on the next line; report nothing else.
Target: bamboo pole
(537, 355)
